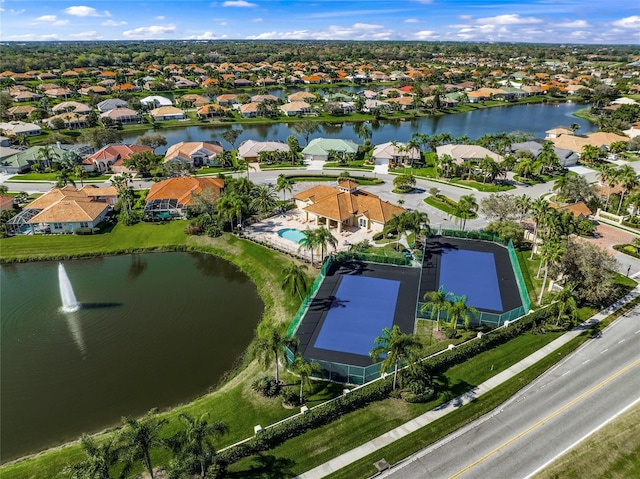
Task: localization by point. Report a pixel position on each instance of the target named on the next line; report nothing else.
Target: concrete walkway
(387, 438)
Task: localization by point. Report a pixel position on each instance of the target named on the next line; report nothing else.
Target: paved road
(546, 418)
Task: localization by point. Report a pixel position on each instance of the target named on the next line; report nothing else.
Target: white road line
(638, 331)
(621, 341)
(549, 462)
(585, 362)
(604, 351)
(565, 373)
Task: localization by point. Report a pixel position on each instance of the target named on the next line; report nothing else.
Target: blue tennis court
(362, 307)
(473, 274)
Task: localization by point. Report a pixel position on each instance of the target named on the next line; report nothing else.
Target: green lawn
(442, 206)
(53, 177)
(485, 187)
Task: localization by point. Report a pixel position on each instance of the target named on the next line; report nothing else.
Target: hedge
(375, 391)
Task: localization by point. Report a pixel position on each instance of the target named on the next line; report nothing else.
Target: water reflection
(213, 266)
(136, 267)
(74, 324)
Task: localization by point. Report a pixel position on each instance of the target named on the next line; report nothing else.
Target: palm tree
(523, 204)
(100, 458)
(436, 302)
(608, 177)
(45, 154)
(460, 310)
(394, 346)
(324, 239)
(80, 173)
(309, 242)
(231, 136)
(295, 279)
(193, 445)
(63, 179)
(139, 436)
(539, 209)
(285, 185)
(264, 199)
(466, 208)
(566, 303)
(305, 370)
(272, 341)
(550, 253)
(628, 179)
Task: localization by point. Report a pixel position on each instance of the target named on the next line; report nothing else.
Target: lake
(154, 330)
(534, 118)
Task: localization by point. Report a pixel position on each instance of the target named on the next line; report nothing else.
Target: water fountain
(69, 302)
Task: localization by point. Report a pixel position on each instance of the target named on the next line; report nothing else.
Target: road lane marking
(585, 362)
(566, 372)
(604, 351)
(638, 331)
(586, 436)
(542, 421)
(621, 341)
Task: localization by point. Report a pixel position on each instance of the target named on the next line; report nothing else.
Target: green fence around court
(485, 318)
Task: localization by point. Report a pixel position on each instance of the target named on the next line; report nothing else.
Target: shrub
(378, 236)
(266, 386)
(290, 397)
(83, 231)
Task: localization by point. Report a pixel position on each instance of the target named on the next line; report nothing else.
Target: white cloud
(628, 22)
(238, 3)
(84, 11)
(573, 24)
(150, 31)
(425, 2)
(160, 17)
(32, 37)
(257, 20)
(412, 20)
(52, 19)
(425, 35)
(510, 19)
(90, 35)
(113, 23)
(358, 31)
(223, 22)
(207, 36)
(17, 12)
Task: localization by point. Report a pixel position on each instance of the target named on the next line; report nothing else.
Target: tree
(101, 457)
(628, 179)
(436, 302)
(153, 140)
(271, 342)
(566, 304)
(573, 188)
(285, 185)
(309, 242)
(305, 370)
(143, 162)
(231, 136)
(404, 182)
(523, 204)
(548, 157)
(193, 445)
(294, 279)
(459, 310)
(394, 346)
(204, 202)
(304, 128)
(608, 177)
(97, 137)
(364, 132)
(539, 209)
(231, 206)
(139, 436)
(63, 179)
(501, 207)
(325, 238)
(294, 148)
(45, 156)
(264, 199)
(550, 253)
(591, 154)
(465, 208)
(70, 159)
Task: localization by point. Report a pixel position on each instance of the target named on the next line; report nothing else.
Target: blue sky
(546, 21)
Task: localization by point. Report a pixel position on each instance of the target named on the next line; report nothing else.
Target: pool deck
(266, 232)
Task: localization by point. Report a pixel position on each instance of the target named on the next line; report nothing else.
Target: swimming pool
(291, 234)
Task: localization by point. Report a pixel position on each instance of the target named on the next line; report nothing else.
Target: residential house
(195, 153)
(14, 128)
(318, 149)
(122, 116)
(194, 100)
(261, 98)
(228, 99)
(111, 157)
(579, 210)
(345, 206)
(7, 203)
(241, 83)
(70, 120)
(110, 104)
(392, 153)
(249, 110)
(71, 106)
(64, 210)
(171, 198)
(167, 113)
(21, 111)
(58, 93)
(211, 110)
(462, 153)
(249, 150)
(95, 89)
(155, 101)
(567, 157)
(296, 108)
(301, 96)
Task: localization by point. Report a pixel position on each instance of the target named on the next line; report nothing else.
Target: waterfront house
(393, 153)
(249, 150)
(194, 153)
(318, 149)
(111, 157)
(167, 113)
(171, 198)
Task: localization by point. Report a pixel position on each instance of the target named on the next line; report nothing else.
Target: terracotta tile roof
(71, 210)
(117, 153)
(341, 205)
(182, 188)
(185, 149)
(579, 209)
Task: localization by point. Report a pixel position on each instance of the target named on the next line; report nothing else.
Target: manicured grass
(443, 206)
(426, 172)
(358, 179)
(53, 177)
(486, 187)
(312, 448)
(440, 428)
(349, 165)
(613, 452)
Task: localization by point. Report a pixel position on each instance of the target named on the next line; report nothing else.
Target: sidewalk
(387, 438)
